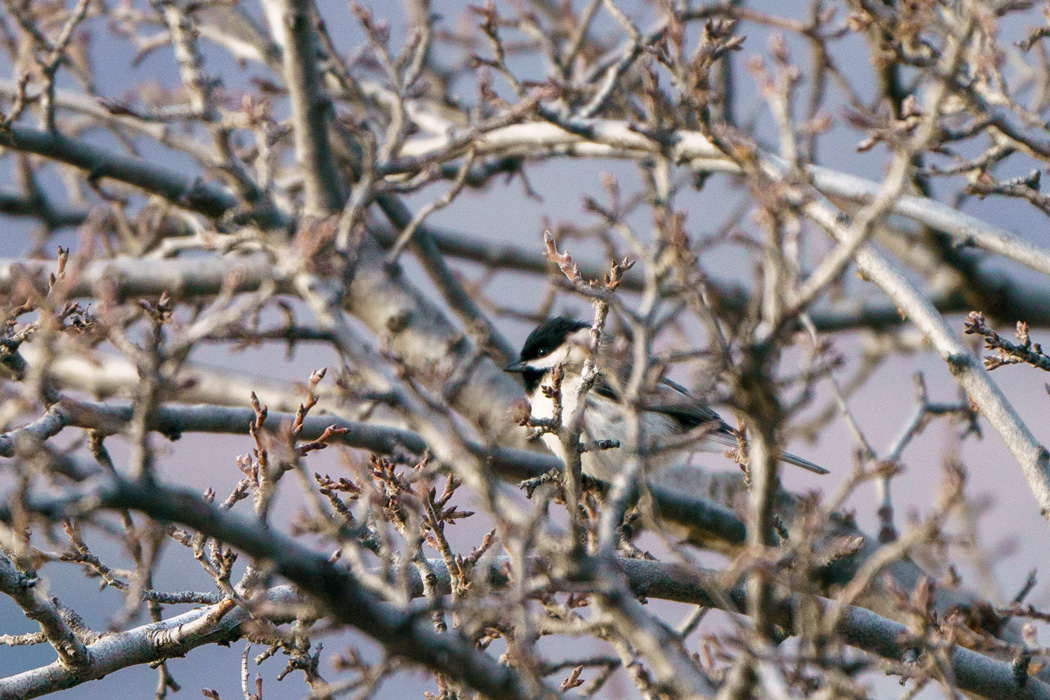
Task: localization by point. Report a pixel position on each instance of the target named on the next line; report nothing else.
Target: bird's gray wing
(674, 400)
(690, 413)
(603, 388)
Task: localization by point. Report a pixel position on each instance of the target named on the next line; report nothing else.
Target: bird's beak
(516, 367)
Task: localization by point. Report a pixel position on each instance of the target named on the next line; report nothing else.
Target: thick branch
(292, 25)
(587, 137)
(187, 192)
(430, 254)
(967, 229)
(701, 516)
(132, 277)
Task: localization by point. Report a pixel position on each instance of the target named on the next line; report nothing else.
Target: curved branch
(220, 623)
(617, 139)
(400, 632)
(37, 606)
(968, 229)
(189, 193)
(964, 366)
(166, 639)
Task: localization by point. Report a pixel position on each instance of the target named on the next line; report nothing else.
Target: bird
(670, 413)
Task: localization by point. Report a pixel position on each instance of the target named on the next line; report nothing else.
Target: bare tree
(279, 195)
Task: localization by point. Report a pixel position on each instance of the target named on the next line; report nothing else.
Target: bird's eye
(542, 353)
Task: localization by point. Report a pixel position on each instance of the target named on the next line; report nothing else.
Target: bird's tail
(728, 438)
(804, 463)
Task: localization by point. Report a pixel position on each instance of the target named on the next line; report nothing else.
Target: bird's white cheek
(550, 361)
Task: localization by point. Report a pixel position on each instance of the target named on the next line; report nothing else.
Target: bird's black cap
(544, 339)
(548, 336)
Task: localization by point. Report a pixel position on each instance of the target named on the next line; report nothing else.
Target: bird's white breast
(603, 420)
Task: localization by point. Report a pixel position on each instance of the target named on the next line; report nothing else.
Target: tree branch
(292, 24)
(220, 623)
(23, 589)
(400, 632)
(968, 372)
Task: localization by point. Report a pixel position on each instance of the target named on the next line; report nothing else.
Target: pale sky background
(502, 213)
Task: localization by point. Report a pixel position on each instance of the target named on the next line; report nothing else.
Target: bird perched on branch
(670, 415)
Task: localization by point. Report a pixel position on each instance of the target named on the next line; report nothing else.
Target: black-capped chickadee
(670, 414)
